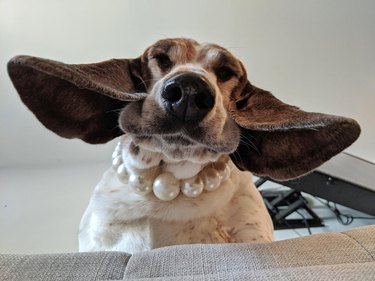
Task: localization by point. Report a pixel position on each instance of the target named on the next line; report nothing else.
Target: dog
(191, 129)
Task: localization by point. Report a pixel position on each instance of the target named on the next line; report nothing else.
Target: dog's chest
(151, 233)
(121, 220)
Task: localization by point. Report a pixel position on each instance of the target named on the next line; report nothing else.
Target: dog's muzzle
(188, 97)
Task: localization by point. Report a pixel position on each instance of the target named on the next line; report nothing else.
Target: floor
(41, 208)
(330, 220)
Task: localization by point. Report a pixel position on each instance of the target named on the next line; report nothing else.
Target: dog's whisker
(237, 157)
(149, 80)
(247, 137)
(117, 110)
(245, 140)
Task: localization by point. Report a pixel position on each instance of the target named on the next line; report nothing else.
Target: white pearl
(118, 147)
(166, 187)
(116, 153)
(122, 173)
(184, 169)
(223, 169)
(116, 162)
(139, 184)
(192, 187)
(211, 179)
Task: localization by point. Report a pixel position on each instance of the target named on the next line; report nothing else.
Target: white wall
(319, 55)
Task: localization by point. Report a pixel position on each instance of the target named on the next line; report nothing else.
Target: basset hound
(191, 129)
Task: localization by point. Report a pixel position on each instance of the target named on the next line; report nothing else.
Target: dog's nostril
(172, 94)
(187, 97)
(204, 100)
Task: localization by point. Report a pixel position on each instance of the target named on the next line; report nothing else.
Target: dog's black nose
(188, 97)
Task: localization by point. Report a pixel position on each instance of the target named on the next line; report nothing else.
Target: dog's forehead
(186, 50)
(216, 55)
(182, 48)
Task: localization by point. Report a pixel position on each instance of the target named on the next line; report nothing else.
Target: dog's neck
(149, 171)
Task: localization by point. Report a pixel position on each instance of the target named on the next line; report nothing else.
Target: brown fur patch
(133, 149)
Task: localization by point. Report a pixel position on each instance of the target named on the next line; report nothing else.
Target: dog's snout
(188, 97)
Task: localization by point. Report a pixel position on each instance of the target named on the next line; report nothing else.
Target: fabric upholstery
(333, 256)
(342, 272)
(365, 236)
(317, 255)
(79, 266)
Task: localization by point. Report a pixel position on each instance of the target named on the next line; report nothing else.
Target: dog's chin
(177, 148)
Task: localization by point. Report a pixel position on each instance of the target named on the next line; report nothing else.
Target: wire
(305, 222)
(364, 218)
(344, 219)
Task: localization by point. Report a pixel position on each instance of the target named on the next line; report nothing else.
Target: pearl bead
(211, 179)
(116, 162)
(223, 169)
(192, 187)
(122, 173)
(115, 154)
(184, 169)
(118, 147)
(139, 184)
(166, 187)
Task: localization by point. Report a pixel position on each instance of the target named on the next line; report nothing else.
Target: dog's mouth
(176, 148)
(152, 128)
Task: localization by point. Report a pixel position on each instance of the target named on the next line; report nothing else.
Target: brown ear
(282, 141)
(77, 100)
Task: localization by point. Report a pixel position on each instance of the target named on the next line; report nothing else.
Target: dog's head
(187, 100)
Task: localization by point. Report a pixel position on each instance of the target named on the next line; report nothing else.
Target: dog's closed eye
(224, 73)
(163, 61)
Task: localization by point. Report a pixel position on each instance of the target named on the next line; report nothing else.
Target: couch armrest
(332, 256)
(329, 256)
(78, 266)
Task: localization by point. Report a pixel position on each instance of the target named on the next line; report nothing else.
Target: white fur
(118, 219)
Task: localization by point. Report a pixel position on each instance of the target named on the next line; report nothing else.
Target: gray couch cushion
(333, 256)
(80, 266)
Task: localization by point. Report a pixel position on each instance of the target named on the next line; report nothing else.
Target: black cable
(305, 222)
(364, 218)
(344, 219)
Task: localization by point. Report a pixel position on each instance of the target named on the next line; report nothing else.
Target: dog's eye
(163, 61)
(224, 73)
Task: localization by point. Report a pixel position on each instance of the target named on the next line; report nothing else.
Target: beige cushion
(332, 256)
(80, 266)
(342, 272)
(364, 236)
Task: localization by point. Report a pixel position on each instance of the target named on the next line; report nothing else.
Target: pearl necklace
(165, 186)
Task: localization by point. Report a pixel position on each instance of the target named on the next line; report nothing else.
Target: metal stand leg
(281, 204)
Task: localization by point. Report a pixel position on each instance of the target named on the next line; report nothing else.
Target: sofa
(349, 255)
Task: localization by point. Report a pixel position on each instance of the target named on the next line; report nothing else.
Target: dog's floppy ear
(77, 100)
(283, 142)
